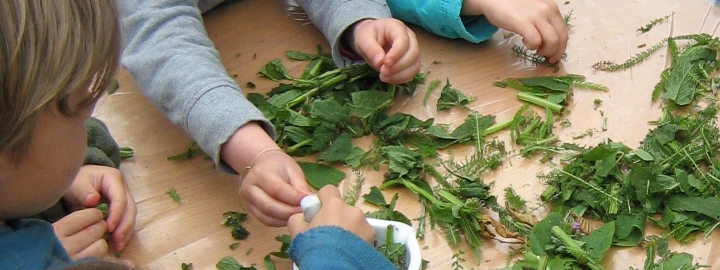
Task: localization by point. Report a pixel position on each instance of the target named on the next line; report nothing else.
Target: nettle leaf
(344, 150)
(296, 134)
(300, 120)
(375, 197)
(261, 103)
(450, 97)
(629, 230)
(322, 136)
(320, 175)
(367, 103)
(676, 261)
(398, 124)
(329, 111)
(401, 159)
(599, 241)
(274, 71)
(540, 236)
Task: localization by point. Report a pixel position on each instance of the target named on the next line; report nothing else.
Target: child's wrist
(347, 42)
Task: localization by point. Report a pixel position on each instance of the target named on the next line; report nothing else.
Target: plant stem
(497, 127)
(297, 146)
(527, 97)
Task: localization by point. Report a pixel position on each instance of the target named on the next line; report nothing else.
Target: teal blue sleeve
(330, 248)
(442, 17)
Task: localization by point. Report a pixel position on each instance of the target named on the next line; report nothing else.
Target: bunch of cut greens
(310, 111)
(533, 134)
(689, 71)
(672, 180)
(550, 92)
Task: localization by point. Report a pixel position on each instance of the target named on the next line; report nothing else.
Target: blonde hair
(50, 49)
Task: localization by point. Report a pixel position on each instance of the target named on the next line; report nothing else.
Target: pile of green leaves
(533, 134)
(311, 111)
(234, 220)
(550, 92)
(689, 71)
(672, 180)
(657, 246)
(555, 244)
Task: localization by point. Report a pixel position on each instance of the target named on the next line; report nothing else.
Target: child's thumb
(373, 53)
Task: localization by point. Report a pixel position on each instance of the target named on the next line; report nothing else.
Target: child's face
(42, 175)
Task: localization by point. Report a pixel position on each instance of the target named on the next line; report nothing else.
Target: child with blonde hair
(56, 59)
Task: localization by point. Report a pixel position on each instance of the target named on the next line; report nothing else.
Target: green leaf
(329, 111)
(431, 87)
(599, 241)
(629, 230)
(319, 175)
(401, 159)
(707, 206)
(644, 155)
(274, 71)
(343, 150)
(540, 236)
(269, 264)
(548, 82)
(375, 197)
(300, 56)
(229, 263)
(281, 100)
(368, 103)
(296, 134)
(450, 97)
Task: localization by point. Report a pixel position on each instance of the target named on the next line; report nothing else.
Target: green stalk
(314, 91)
(549, 191)
(497, 127)
(527, 97)
(297, 146)
(575, 249)
(126, 152)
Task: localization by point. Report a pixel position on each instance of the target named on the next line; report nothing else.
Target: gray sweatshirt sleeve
(333, 17)
(171, 58)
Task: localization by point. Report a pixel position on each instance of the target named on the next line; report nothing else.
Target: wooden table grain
(251, 33)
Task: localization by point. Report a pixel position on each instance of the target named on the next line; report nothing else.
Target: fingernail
(377, 59)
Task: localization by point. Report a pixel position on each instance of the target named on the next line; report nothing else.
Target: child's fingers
(366, 42)
(403, 68)
(77, 221)
(266, 206)
(561, 29)
(296, 224)
(550, 39)
(530, 36)
(399, 40)
(97, 249)
(124, 231)
(403, 76)
(328, 192)
(297, 178)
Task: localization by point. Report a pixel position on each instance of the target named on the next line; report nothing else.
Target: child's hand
(82, 234)
(388, 46)
(334, 212)
(272, 189)
(94, 184)
(539, 22)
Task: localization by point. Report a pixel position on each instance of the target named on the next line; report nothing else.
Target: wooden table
(250, 33)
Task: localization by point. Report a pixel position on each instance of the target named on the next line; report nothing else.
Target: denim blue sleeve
(335, 248)
(442, 17)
